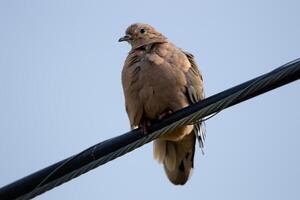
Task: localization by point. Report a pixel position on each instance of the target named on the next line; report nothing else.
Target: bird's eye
(142, 31)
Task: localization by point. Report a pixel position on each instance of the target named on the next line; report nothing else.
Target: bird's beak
(125, 38)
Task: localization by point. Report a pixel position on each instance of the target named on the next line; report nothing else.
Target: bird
(159, 79)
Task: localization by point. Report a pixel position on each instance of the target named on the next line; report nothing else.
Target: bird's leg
(162, 115)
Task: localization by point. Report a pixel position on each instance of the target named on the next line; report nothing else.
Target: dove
(158, 79)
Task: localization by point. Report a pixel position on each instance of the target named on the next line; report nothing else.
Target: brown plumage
(158, 78)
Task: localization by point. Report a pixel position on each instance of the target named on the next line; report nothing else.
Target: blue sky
(60, 92)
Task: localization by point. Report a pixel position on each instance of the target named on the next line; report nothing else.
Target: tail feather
(159, 150)
(177, 157)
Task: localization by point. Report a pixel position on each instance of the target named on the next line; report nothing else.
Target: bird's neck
(149, 43)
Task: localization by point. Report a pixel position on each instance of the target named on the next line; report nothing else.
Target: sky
(61, 92)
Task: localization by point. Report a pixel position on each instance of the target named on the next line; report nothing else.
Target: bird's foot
(162, 115)
(145, 126)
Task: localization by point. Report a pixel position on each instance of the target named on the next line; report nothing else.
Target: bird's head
(138, 35)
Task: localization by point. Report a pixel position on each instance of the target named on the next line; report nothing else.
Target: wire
(101, 153)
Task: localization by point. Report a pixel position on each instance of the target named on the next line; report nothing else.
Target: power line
(65, 170)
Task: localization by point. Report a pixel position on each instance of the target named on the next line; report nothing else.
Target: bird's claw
(145, 126)
(162, 115)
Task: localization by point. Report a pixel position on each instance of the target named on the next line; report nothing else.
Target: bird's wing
(130, 72)
(195, 93)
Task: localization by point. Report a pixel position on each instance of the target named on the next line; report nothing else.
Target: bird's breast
(158, 86)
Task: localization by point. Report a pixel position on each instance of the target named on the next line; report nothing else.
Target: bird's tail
(177, 157)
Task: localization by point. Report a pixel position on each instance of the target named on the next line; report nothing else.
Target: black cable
(65, 170)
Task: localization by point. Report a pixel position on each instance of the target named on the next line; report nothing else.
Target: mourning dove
(158, 78)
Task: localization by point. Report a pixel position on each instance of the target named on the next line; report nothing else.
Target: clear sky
(60, 92)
